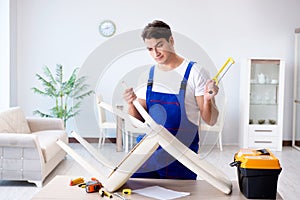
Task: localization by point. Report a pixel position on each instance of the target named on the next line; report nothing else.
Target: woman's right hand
(129, 96)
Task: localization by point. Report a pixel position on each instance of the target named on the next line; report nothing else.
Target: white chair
(218, 127)
(104, 125)
(132, 126)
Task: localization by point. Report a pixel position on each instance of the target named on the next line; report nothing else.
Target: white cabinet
(261, 103)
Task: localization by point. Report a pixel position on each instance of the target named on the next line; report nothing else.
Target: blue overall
(169, 111)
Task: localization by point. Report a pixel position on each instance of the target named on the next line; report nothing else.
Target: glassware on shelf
(267, 98)
(274, 81)
(258, 99)
(261, 78)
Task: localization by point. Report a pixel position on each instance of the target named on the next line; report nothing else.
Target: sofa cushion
(47, 140)
(13, 120)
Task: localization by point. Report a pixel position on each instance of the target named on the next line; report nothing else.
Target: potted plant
(62, 92)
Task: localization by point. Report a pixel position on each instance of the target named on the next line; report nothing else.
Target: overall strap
(183, 82)
(186, 76)
(150, 79)
(150, 83)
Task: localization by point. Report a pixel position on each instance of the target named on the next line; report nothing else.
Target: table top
(59, 188)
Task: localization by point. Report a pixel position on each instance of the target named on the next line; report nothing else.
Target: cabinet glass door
(264, 92)
(296, 130)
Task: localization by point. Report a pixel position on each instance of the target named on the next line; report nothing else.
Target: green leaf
(62, 91)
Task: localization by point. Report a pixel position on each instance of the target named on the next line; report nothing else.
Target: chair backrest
(212, 135)
(130, 123)
(101, 111)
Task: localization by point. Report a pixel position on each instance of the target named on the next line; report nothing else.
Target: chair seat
(108, 125)
(218, 128)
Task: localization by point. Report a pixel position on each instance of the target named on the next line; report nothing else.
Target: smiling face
(160, 49)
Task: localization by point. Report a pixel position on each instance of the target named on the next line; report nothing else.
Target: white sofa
(28, 149)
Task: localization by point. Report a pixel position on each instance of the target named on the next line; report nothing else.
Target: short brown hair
(157, 29)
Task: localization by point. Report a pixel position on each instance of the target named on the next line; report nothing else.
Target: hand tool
(215, 78)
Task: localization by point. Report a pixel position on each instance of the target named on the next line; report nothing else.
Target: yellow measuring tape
(215, 78)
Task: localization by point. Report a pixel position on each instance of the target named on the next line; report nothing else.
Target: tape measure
(126, 191)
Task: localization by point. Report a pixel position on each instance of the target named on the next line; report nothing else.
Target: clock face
(107, 28)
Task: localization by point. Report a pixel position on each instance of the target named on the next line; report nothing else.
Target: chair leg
(103, 137)
(131, 141)
(100, 139)
(220, 141)
(127, 141)
(100, 142)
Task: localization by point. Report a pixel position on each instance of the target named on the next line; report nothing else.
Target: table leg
(119, 135)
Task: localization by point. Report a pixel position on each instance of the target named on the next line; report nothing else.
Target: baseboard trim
(113, 140)
(290, 143)
(297, 143)
(93, 140)
(287, 143)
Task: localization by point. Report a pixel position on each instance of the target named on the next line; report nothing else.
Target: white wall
(4, 54)
(66, 32)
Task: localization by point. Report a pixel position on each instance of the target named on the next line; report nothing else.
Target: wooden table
(58, 188)
(119, 131)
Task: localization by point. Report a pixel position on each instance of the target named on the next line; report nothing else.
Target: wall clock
(107, 28)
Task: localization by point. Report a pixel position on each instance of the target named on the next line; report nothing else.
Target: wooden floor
(288, 182)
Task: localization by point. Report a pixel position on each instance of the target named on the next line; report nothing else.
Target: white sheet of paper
(158, 192)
